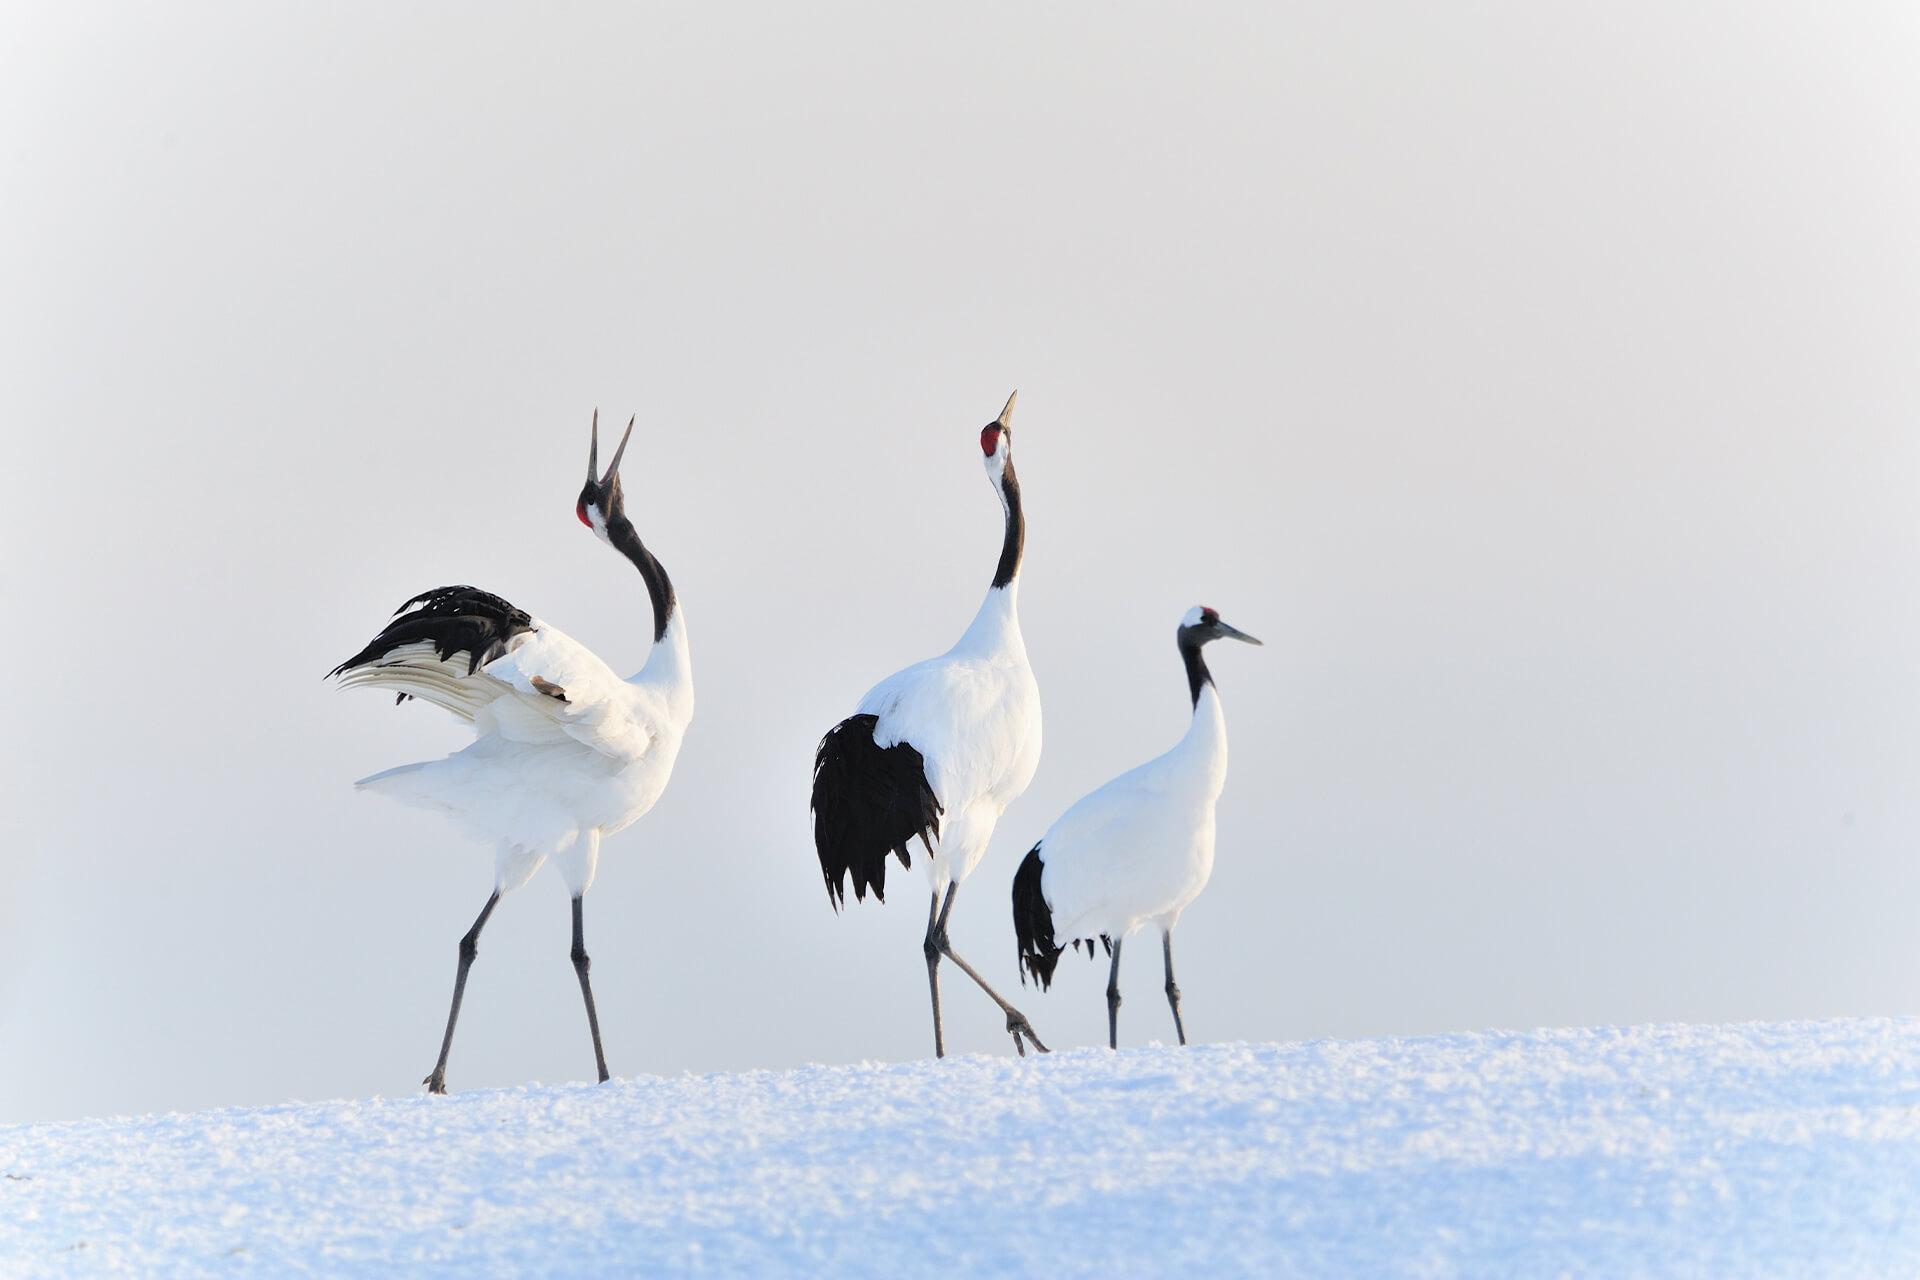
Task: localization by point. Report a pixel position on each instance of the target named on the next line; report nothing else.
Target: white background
(1540, 383)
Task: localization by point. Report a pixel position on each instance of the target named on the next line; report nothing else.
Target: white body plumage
(1140, 849)
(545, 777)
(973, 713)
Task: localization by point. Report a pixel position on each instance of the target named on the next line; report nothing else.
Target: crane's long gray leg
(469, 948)
(581, 963)
(932, 949)
(1113, 998)
(1017, 1024)
(1173, 988)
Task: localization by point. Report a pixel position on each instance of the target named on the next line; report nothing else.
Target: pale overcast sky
(1541, 382)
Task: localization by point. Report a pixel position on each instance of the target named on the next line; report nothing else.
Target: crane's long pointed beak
(1006, 414)
(1235, 633)
(593, 453)
(613, 468)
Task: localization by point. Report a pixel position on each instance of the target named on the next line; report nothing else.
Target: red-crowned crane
(565, 752)
(936, 753)
(1138, 850)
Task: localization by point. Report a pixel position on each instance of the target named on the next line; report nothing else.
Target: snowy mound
(1787, 1149)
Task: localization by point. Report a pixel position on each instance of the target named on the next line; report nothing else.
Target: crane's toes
(1018, 1026)
(436, 1083)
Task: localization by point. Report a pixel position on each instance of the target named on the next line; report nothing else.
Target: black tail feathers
(868, 802)
(1033, 923)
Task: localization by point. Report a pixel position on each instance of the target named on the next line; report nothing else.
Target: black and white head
(996, 442)
(600, 502)
(1202, 626)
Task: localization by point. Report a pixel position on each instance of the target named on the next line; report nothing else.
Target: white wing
(544, 688)
(970, 719)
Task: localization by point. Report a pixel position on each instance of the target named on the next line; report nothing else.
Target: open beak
(593, 454)
(1235, 633)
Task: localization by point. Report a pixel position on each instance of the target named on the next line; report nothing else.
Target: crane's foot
(437, 1082)
(1017, 1027)
(939, 944)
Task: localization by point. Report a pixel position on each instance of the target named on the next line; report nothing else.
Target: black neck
(1016, 538)
(1197, 674)
(626, 541)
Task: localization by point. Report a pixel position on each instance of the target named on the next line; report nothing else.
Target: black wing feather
(455, 620)
(868, 802)
(1033, 923)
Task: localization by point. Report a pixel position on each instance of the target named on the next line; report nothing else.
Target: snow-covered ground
(1784, 1149)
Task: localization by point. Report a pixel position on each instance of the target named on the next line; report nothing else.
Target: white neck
(995, 629)
(669, 664)
(1204, 746)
